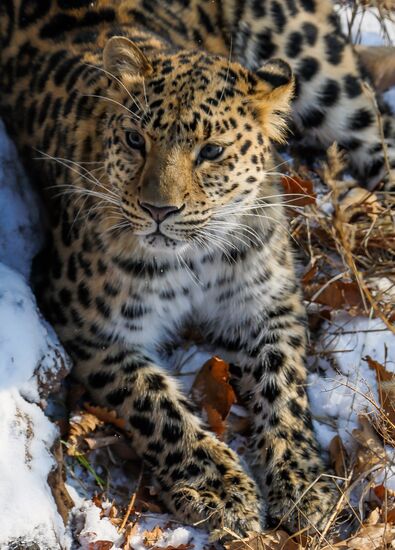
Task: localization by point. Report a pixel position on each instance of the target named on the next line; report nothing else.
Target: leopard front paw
(213, 491)
(302, 505)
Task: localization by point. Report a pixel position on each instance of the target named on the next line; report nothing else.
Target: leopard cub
(165, 212)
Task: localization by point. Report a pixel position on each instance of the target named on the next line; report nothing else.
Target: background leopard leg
(331, 102)
(201, 478)
(262, 332)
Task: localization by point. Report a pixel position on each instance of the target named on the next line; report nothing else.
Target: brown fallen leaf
(380, 492)
(80, 426)
(371, 451)
(110, 512)
(386, 387)
(379, 61)
(211, 391)
(107, 416)
(100, 442)
(180, 547)
(309, 274)
(100, 545)
(152, 537)
(317, 318)
(338, 456)
(56, 482)
(336, 295)
(384, 493)
(277, 540)
(369, 537)
(359, 203)
(130, 531)
(302, 189)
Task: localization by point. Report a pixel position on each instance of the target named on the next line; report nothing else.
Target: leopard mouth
(158, 242)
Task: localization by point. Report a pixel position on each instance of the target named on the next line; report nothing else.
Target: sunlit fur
(73, 82)
(213, 194)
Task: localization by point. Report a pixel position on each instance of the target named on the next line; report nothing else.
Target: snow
(96, 528)
(21, 229)
(30, 354)
(172, 537)
(338, 396)
(27, 506)
(368, 27)
(20, 318)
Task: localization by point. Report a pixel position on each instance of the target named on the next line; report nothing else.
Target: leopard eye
(135, 140)
(210, 151)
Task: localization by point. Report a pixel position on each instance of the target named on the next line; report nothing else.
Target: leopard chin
(162, 243)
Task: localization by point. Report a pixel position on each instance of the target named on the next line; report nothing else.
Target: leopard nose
(160, 213)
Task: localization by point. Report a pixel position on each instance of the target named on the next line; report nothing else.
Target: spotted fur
(155, 164)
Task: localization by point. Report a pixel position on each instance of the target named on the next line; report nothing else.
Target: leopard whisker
(194, 278)
(220, 240)
(64, 162)
(133, 116)
(74, 189)
(227, 70)
(243, 227)
(214, 240)
(95, 209)
(248, 208)
(105, 71)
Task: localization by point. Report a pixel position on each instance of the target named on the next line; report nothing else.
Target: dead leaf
(107, 416)
(386, 387)
(337, 295)
(316, 318)
(130, 531)
(277, 540)
(379, 61)
(100, 442)
(150, 506)
(371, 450)
(309, 274)
(302, 189)
(100, 545)
(152, 537)
(338, 456)
(110, 512)
(80, 426)
(380, 492)
(359, 203)
(56, 482)
(373, 518)
(211, 390)
(369, 537)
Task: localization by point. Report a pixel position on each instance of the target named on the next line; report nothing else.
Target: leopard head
(188, 141)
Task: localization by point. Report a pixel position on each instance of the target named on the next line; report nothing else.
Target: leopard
(149, 126)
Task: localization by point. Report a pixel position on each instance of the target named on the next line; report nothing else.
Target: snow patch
(30, 356)
(96, 528)
(21, 229)
(339, 393)
(27, 507)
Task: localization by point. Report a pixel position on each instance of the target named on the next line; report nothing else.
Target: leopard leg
(331, 101)
(201, 479)
(261, 330)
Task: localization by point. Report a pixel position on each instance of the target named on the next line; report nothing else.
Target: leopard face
(187, 142)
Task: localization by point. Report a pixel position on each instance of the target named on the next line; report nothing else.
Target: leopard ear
(121, 56)
(272, 93)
